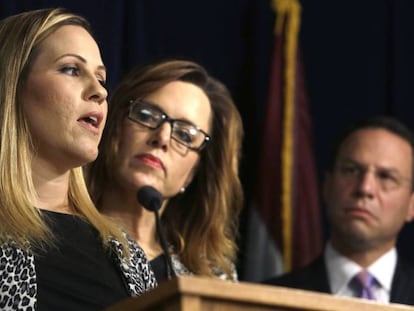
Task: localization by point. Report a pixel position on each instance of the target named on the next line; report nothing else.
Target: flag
(285, 212)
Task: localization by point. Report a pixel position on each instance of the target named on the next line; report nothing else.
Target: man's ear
(326, 186)
(410, 212)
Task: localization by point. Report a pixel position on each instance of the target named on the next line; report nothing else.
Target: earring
(182, 190)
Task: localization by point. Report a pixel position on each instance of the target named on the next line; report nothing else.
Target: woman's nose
(161, 136)
(96, 91)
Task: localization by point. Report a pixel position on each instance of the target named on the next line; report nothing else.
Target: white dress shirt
(341, 270)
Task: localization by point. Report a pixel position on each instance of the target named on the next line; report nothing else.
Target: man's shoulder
(404, 269)
(405, 263)
(403, 282)
(310, 277)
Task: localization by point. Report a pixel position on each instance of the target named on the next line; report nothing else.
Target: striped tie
(363, 284)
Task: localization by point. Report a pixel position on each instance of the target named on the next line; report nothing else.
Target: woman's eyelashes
(75, 71)
(70, 70)
(102, 81)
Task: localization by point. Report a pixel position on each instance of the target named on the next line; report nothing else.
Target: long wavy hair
(21, 36)
(201, 223)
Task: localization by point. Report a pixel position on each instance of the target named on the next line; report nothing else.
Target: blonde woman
(56, 251)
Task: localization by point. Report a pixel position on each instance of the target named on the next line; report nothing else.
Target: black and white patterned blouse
(20, 282)
(159, 266)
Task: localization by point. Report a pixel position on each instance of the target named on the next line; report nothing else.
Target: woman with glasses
(173, 127)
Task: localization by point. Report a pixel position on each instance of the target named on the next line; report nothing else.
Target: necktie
(364, 282)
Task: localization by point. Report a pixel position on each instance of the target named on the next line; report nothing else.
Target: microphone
(151, 200)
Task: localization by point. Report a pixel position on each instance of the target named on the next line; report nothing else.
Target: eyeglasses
(183, 132)
(387, 179)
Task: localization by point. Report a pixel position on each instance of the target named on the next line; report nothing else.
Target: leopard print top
(18, 287)
(181, 269)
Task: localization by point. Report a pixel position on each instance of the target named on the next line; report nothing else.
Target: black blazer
(314, 277)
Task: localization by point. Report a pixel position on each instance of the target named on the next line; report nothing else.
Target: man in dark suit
(369, 197)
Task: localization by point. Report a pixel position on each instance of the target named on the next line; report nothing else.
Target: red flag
(287, 194)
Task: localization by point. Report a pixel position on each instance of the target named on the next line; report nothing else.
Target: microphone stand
(168, 261)
(151, 199)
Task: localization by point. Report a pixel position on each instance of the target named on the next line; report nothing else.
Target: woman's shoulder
(179, 266)
(218, 272)
(135, 267)
(181, 269)
(12, 254)
(19, 263)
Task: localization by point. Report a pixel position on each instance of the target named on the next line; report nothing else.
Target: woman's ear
(191, 175)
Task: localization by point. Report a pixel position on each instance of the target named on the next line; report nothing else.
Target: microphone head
(150, 198)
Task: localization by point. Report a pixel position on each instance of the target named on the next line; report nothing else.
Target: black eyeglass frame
(166, 118)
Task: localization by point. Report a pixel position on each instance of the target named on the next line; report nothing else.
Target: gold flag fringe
(288, 20)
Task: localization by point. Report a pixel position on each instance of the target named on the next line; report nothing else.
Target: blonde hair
(21, 222)
(201, 223)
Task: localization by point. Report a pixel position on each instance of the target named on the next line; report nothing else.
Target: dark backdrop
(358, 56)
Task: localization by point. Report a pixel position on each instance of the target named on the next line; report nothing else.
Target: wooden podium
(187, 293)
